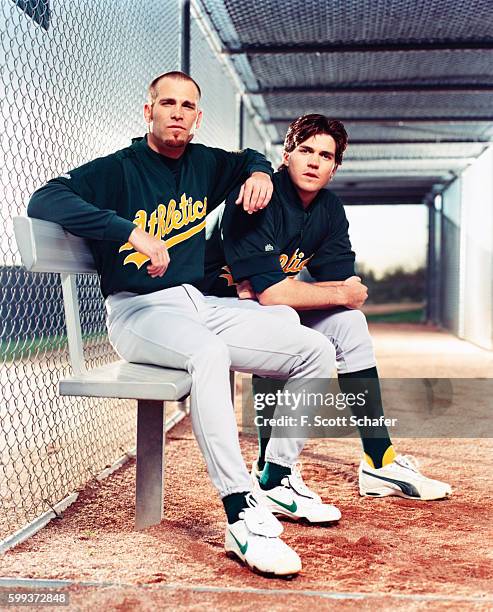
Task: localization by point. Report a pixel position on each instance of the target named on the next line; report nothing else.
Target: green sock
(233, 505)
(262, 447)
(272, 475)
(375, 440)
(262, 385)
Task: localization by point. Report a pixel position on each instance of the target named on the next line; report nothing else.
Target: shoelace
(256, 514)
(408, 461)
(300, 486)
(251, 501)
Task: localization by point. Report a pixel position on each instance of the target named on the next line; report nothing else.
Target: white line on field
(31, 583)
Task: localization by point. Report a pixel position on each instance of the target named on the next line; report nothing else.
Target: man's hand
(256, 192)
(154, 248)
(355, 293)
(352, 279)
(245, 291)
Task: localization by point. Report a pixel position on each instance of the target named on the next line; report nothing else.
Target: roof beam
(384, 142)
(355, 47)
(400, 119)
(377, 88)
(356, 199)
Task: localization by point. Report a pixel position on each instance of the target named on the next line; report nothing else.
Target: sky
(385, 237)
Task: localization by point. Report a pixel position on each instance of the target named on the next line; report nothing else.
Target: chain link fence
(73, 82)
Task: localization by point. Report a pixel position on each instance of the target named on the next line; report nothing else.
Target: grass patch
(407, 316)
(12, 350)
(28, 347)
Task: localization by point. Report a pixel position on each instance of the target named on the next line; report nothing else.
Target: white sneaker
(255, 540)
(401, 477)
(292, 498)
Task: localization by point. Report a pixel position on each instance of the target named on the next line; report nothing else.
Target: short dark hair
(174, 74)
(307, 126)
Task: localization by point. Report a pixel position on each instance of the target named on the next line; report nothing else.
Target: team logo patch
(268, 247)
(289, 265)
(163, 221)
(295, 263)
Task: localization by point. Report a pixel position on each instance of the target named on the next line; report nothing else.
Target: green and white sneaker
(401, 477)
(255, 540)
(293, 499)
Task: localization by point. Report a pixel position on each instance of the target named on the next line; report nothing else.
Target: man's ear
(285, 158)
(148, 113)
(198, 121)
(333, 173)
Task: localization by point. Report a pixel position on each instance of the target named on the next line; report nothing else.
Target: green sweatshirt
(105, 199)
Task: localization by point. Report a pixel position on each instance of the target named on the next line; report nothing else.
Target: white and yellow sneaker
(401, 477)
(255, 540)
(292, 498)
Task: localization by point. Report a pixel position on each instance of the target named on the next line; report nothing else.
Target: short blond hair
(175, 74)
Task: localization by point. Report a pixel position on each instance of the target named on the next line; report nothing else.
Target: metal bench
(47, 247)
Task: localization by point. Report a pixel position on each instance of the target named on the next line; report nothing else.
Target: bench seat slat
(130, 381)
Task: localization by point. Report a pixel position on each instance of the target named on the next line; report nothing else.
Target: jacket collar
(140, 144)
(286, 191)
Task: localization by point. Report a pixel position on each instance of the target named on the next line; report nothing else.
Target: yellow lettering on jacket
(199, 209)
(163, 221)
(295, 263)
(140, 221)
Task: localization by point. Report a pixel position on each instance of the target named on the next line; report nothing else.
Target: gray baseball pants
(347, 331)
(206, 336)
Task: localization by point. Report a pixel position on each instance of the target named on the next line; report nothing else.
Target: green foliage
(397, 285)
(416, 315)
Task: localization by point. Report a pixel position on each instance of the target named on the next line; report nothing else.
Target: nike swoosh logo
(405, 487)
(242, 547)
(291, 507)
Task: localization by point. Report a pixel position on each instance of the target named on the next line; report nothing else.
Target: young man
(143, 210)
(305, 227)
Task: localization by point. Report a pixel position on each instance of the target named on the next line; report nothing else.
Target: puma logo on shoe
(405, 487)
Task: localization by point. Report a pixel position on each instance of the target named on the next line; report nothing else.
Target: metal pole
(185, 36)
(430, 270)
(240, 118)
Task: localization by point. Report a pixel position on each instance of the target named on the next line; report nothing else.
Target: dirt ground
(384, 553)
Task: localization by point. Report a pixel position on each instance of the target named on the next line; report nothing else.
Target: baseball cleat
(293, 499)
(401, 477)
(255, 540)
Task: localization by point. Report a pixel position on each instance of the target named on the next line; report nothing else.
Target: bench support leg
(150, 463)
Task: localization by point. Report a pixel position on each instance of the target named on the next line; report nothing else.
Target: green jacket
(104, 199)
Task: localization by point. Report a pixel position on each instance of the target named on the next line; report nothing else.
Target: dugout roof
(412, 80)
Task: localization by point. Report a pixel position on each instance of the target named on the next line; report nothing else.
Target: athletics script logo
(289, 265)
(163, 220)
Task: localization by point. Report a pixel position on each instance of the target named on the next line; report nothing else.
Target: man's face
(312, 164)
(174, 116)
